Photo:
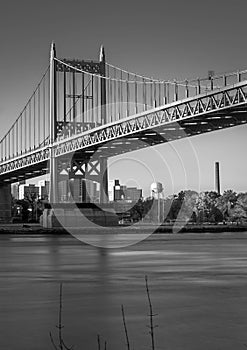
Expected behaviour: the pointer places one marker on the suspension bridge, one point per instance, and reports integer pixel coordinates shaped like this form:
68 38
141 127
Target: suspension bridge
83 112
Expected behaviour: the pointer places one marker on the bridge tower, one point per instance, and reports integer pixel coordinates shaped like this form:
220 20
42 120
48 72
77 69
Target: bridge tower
79 165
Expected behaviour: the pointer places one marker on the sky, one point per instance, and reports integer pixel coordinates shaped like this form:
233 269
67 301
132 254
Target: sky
164 39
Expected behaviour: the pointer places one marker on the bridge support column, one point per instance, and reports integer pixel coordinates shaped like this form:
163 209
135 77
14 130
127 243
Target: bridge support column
75 178
103 181
5 203
53 191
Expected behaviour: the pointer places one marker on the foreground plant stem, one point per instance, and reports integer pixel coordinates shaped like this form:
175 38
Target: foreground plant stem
151 315
61 344
125 329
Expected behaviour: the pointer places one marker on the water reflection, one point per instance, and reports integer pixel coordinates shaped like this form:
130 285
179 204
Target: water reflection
190 281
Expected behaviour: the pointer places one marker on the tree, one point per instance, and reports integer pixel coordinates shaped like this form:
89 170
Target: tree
242 201
188 206
238 212
137 211
206 207
215 215
175 206
227 202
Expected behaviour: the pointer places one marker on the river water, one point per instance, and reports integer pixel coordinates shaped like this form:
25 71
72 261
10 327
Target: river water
198 288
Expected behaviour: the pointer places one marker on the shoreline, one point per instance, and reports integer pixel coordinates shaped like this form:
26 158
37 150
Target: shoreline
204 228
163 229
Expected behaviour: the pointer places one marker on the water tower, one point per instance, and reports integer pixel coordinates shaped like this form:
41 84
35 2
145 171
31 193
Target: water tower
156 189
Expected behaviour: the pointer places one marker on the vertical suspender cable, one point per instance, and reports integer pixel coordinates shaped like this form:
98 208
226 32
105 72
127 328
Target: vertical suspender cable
30 134
34 121
119 99
69 93
73 100
5 147
159 93
64 95
224 80
239 76
186 89
17 138
127 94
198 86
92 97
114 94
11 141
9 144
44 114
121 95
211 83
39 119
136 97
175 91
110 98
165 93
87 117
155 95
25 128
21 131
96 106
83 101
57 98
144 91
108 81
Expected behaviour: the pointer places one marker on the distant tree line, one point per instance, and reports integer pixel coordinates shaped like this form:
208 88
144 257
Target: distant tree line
186 206
196 207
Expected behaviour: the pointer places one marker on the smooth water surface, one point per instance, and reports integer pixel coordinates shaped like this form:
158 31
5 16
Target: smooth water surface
198 286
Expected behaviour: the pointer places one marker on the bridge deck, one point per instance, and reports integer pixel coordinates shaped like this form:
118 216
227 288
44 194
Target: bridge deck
192 116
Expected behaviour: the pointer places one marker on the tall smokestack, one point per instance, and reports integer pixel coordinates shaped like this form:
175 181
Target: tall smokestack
217 177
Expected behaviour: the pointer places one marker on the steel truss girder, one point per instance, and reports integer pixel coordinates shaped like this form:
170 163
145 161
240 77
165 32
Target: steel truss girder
87 66
201 105
229 100
26 160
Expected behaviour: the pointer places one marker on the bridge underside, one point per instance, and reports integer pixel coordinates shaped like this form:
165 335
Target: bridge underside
154 135
24 173
171 131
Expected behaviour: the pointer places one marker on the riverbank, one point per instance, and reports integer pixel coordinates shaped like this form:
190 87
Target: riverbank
193 228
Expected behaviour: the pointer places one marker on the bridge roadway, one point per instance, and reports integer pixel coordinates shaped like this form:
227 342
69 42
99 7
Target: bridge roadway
192 116
197 285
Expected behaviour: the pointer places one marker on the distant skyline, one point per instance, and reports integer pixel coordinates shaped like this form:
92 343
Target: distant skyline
163 39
